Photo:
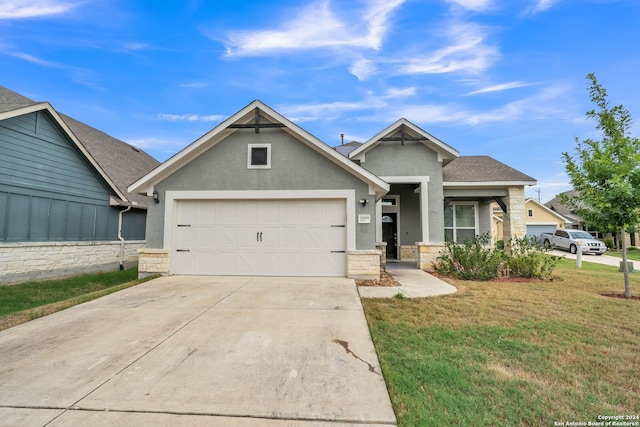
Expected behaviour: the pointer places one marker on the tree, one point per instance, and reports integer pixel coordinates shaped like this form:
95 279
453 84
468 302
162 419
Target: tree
606 173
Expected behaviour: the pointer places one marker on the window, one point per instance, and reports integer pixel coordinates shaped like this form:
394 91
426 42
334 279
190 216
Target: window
259 156
530 213
460 222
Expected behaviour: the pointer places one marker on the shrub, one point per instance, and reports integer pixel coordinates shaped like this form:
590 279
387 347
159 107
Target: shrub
469 261
527 258
608 242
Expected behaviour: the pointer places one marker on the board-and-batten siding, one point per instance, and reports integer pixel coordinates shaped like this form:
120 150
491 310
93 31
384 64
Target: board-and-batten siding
48 191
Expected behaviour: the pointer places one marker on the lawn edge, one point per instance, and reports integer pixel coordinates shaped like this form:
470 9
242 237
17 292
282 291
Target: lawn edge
24 316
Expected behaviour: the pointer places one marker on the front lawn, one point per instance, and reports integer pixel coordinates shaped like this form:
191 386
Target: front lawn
27 301
501 353
631 255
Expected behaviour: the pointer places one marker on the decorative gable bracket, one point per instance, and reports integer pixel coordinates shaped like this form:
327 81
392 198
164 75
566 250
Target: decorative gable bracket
256 124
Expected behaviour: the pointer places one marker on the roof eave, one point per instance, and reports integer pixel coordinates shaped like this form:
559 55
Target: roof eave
145 184
444 150
487 183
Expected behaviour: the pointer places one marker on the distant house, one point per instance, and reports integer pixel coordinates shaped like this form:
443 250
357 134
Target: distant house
576 222
64 204
539 219
259 195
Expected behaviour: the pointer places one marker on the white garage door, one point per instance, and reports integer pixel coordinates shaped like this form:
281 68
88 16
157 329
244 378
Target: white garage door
537 230
260 237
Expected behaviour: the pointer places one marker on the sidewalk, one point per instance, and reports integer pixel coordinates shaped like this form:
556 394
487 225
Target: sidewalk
597 259
415 283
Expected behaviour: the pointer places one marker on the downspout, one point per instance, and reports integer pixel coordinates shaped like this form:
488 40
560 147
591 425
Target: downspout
120 236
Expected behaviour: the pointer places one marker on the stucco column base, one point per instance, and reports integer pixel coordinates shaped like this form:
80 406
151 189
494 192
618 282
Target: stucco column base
382 247
427 254
153 261
363 265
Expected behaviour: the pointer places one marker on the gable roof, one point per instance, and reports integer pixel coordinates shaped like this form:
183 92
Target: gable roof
545 208
445 152
117 162
345 149
482 171
566 211
145 185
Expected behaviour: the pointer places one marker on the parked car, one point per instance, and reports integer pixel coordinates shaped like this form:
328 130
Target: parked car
572 241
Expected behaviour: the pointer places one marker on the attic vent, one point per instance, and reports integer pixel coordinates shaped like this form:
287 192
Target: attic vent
136 149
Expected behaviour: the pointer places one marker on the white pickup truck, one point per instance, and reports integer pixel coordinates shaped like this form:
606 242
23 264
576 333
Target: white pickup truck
572 240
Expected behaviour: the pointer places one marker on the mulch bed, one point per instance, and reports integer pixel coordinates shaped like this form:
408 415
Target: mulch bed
385 280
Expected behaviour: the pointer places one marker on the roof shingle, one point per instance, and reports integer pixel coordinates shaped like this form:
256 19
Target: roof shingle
481 169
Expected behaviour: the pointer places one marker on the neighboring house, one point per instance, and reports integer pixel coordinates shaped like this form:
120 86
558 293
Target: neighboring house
539 219
576 222
64 204
258 195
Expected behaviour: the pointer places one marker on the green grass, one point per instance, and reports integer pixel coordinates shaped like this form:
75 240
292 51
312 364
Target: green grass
631 255
26 301
517 354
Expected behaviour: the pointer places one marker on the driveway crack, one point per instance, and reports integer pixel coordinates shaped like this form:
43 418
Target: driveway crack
345 345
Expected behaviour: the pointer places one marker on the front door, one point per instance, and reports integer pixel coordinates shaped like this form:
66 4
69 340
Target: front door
390 234
390 228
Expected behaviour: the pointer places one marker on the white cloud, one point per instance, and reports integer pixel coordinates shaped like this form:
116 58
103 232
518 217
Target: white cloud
33 59
363 69
193 85
474 5
135 46
540 106
189 117
499 87
543 5
468 52
17 9
316 26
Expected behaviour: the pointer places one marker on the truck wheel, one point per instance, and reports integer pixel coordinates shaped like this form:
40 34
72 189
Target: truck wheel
547 244
599 254
573 249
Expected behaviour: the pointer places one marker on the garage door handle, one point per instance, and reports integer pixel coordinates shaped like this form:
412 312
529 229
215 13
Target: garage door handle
183 250
341 226
337 252
184 225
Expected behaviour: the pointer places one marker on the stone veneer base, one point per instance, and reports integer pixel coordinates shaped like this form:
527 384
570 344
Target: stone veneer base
25 261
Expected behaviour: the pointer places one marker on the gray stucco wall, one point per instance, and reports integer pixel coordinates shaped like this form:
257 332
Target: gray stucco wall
484 218
390 158
294 166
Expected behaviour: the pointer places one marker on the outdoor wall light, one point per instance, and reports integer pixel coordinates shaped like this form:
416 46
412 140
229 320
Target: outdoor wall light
155 197
363 202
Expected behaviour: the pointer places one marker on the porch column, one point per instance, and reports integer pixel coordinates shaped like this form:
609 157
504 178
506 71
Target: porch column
514 222
424 209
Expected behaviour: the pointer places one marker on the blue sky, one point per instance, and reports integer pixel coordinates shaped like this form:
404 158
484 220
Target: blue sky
505 78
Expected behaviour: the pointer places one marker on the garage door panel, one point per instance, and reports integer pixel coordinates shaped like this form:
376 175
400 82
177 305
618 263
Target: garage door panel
203 235
226 212
225 238
261 237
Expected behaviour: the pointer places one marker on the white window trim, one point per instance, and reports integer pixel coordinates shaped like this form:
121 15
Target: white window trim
250 147
530 213
476 219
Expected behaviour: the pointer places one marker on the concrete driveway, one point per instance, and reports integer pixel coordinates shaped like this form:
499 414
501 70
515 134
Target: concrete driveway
185 350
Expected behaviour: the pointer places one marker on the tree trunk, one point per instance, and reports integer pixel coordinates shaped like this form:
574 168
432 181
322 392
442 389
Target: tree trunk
625 267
